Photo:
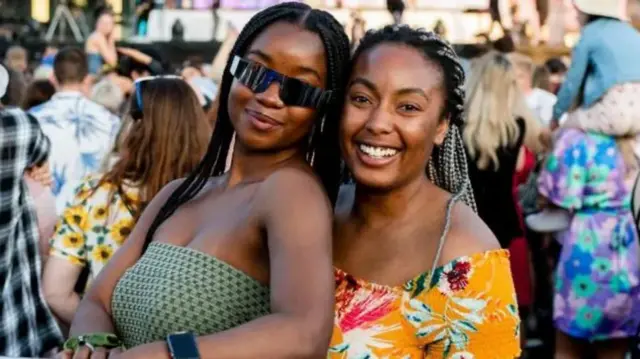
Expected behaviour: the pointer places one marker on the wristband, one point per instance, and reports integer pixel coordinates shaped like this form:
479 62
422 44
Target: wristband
92 341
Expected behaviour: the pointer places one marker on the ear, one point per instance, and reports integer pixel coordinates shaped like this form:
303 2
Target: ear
441 132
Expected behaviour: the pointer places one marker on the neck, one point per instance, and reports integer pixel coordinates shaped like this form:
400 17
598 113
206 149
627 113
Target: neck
71 88
252 166
376 206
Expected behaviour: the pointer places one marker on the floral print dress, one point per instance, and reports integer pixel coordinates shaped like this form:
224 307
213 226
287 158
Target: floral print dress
466 310
95 223
597 288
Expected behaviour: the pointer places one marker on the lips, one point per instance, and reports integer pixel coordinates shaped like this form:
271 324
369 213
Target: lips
376 155
261 121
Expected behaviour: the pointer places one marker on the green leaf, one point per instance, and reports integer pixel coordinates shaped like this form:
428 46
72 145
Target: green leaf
447 348
467 325
97 229
101 240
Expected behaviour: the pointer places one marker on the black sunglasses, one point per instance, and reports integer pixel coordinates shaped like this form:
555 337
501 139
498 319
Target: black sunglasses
293 92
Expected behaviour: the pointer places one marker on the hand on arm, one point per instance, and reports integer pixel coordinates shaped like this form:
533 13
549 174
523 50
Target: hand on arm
107 49
41 174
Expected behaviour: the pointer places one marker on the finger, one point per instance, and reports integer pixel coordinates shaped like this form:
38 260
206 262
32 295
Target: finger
99 353
82 353
67 354
115 351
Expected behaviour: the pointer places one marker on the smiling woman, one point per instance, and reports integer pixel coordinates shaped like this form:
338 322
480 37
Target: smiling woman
420 275
244 256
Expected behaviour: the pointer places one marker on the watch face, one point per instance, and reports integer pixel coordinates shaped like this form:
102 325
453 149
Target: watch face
183 346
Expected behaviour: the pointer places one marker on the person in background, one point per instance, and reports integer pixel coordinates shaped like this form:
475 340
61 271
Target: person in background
17 59
108 94
101 44
596 301
557 72
15 89
602 87
82 132
143 10
541 102
39 181
38 92
27 327
161 142
541 79
498 130
396 9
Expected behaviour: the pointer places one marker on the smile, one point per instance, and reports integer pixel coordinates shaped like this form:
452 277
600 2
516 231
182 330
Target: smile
377 152
261 121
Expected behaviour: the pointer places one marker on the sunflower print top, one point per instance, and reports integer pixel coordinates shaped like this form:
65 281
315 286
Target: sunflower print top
95 223
466 310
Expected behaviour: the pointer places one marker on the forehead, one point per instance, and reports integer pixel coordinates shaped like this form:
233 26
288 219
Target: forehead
288 45
411 68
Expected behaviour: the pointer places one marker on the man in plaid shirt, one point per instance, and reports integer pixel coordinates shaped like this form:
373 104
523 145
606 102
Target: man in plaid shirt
27 327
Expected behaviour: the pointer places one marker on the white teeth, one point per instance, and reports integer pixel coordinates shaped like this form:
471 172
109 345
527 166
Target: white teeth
378 152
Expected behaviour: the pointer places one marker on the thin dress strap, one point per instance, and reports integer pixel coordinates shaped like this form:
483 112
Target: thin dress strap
447 225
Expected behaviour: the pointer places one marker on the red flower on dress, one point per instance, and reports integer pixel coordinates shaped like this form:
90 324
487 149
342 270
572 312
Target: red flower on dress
458 276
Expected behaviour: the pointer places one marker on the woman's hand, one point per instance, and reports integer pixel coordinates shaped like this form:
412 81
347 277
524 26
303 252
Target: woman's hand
41 174
86 353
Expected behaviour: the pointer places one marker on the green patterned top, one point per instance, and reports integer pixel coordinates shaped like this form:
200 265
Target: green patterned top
173 289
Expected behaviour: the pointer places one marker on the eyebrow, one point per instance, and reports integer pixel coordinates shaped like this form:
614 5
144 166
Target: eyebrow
405 91
268 59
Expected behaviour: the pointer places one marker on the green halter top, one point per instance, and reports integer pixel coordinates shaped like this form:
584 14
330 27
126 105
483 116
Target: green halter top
173 289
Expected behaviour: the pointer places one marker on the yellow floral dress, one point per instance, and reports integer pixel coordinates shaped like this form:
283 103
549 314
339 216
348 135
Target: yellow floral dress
94 225
466 310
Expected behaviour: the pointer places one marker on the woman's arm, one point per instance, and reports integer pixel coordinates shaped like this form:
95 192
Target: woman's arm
59 281
107 49
297 219
570 89
94 311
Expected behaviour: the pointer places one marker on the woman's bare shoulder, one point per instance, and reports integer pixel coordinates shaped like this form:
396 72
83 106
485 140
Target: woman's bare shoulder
467 235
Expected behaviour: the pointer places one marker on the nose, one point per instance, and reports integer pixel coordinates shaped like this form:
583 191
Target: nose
380 122
271 96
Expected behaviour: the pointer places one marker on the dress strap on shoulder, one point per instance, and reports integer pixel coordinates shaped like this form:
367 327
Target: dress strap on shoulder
445 231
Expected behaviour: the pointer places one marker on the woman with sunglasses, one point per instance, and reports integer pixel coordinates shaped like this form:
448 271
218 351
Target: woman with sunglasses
163 139
238 264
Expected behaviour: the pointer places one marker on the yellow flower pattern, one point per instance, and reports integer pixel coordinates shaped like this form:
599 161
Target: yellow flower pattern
94 225
466 310
121 230
101 253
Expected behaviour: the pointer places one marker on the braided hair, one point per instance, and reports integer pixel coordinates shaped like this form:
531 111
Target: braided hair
447 167
322 151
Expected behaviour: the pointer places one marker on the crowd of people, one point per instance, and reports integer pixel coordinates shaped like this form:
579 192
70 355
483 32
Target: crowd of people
313 195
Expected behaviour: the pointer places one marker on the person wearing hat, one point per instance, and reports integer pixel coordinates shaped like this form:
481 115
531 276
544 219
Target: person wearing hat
602 86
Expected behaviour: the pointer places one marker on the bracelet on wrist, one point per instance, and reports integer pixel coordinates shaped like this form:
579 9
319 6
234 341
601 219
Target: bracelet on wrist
93 341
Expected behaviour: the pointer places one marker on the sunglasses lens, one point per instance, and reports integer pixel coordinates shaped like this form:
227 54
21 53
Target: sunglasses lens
258 78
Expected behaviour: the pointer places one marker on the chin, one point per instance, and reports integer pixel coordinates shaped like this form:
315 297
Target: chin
378 180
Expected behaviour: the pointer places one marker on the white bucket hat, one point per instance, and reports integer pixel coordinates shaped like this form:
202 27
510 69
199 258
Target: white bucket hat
616 9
